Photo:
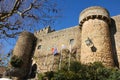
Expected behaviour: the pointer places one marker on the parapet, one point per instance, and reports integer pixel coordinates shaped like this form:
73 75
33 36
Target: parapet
92 13
43 31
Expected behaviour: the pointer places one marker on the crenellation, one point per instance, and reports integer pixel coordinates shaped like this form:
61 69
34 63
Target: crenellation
44 31
96 38
100 37
101 17
57 39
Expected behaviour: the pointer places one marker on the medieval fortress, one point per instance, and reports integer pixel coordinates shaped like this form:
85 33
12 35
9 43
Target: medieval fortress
96 38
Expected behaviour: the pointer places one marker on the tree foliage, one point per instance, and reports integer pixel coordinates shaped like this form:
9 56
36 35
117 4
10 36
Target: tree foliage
18 15
16 61
78 71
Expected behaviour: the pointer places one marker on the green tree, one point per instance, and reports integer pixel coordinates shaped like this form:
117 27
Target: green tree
92 71
78 71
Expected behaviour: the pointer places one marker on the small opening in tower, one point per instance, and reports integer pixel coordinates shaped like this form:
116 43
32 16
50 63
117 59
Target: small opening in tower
39 47
88 42
71 41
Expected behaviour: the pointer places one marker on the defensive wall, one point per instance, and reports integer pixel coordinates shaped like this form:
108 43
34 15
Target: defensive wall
95 38
56 39
95 26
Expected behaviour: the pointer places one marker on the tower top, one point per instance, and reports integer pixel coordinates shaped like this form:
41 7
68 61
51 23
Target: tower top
93 12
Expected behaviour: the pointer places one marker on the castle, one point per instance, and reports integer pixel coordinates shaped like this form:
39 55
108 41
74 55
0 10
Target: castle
96 38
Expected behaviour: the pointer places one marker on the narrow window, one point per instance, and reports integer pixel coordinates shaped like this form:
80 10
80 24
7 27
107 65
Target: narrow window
88 42
71 41
39 47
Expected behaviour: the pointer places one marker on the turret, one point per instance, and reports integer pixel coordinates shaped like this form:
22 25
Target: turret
96 42
44 31
21 60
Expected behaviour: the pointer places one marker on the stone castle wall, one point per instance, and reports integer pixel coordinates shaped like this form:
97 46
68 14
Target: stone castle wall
94 25
115 37
96 38
95 28
55 40
93 12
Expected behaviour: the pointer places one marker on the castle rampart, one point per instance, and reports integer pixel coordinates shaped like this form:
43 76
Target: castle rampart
55 40
96 38
96 42
95 23
115 37
92 13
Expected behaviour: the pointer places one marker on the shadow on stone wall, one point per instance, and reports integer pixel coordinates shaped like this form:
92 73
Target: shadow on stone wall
93 49
112 33
33 71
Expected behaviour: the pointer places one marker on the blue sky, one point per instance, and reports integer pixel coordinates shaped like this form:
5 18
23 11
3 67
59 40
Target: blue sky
70 10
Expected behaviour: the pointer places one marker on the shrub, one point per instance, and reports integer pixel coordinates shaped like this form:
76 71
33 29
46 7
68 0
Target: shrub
40 76
75 66
78 71
16 61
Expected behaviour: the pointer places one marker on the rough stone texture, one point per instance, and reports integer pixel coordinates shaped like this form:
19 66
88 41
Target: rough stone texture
24 49
115 37
98 31
95 25
55 39
95 10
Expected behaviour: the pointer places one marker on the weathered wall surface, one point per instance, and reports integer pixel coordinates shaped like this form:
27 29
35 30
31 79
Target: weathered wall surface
95 10
96 25
115 36
100 50
55 39
21 60
96 42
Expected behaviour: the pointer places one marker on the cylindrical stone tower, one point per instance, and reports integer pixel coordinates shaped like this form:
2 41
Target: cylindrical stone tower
23 52
96 43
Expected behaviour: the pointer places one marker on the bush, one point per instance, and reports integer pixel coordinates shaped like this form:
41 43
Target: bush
75 66
16 61
78 71
40 76
49 74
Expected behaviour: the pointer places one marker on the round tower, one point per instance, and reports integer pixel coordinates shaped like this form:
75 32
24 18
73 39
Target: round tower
96 43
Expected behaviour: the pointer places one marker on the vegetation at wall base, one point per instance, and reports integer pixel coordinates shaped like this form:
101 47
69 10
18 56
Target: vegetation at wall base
16 61
78 71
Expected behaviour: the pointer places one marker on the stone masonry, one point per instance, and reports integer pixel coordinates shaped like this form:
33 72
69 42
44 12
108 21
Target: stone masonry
95 27
44 55
96 38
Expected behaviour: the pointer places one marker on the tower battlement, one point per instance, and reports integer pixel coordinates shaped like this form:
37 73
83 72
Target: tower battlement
44 31
95 31
97 41
93 13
